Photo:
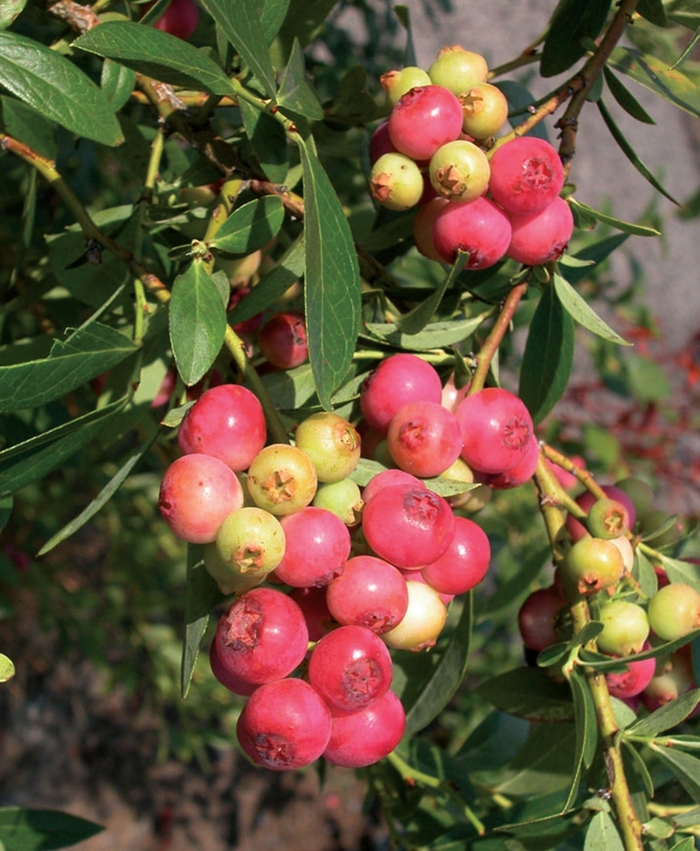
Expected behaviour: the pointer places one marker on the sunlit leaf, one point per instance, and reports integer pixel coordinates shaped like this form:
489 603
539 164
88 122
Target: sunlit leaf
625 98
295 93
652 73
250 227
27 829
584 210
602 834
582 313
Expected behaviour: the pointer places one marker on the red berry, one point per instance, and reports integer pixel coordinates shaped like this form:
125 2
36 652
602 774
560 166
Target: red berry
396 381
350 668
407 526
522 472
370 593
282 340
179 19
423 120
423 225
541 237
386 478
634 680
368 735
284 725
318 543
463 566
479 227
424 438
497 430
526 175
537 618
196 495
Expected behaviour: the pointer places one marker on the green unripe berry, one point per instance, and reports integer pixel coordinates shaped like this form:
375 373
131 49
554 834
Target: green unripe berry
607 518
592 564
396 182
459 171
484 110
343 498
331 442
458 69
397 83
674 611
626 628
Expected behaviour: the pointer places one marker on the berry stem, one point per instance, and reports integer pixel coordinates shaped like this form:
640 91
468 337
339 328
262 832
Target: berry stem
496 335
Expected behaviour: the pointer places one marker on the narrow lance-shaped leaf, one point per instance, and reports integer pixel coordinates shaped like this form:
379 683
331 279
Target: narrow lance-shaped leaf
202 596
574 21
272 17
295 93
156 54
548 356
446 677
28 829
586 733
625 98
629 152
580 209
197 322
671 84
666 717
88 352
418 318
684 766
58 89
240 22
688 50
581 311
250 227
332 280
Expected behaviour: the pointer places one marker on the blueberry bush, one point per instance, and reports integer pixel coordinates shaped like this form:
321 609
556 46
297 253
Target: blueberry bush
306 329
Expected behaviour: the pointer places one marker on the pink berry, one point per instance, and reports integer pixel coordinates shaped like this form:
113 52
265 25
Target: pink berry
396 381
262 637
407 526
537 617
232 682
380 143
350 668
423 224
196 495
424 438
317 545
386 478
285 725
526 175
368 735
541 237
479 227
370 593
634 680
312 602
463 566
522 472
424 119
179 19
227 422
282 340
496 430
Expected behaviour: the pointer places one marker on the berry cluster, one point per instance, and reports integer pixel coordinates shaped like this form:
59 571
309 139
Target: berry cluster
474 194
598 566
329 578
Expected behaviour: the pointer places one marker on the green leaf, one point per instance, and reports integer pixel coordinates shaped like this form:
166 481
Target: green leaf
250 227
681 571
529 693
602 834
629 152
646 379
56 88
434 336
543 764
6 506
26 124
687 844
117 83
636 768
156 54
643 571
88 352
418 318
666 717
573 22
446 677
272 17
586 733
654 74
273 285
520 100
684 12
240 22
197 322
604 663
688 50
625 98
295 94
653 11
9 11
202 595
597 252
32 459
548 357
102 498
683 765
25 829
268 139
7 668
583 210
582 313
332 280
304 21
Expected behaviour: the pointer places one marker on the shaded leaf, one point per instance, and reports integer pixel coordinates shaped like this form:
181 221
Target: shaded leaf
403 14
6 505
666 717
197 322
604 663
583 210
56 88
241 24
446 677
573 22
117 83
25 829
529 693
519 102
597 252
685 767
543 764
586 733
625 98
684 12
681 571
272 17
332 279
653 11
250 227
688 50
652 73
433 336
88 352
304 21
548 357
269 141
602 834
32 459
629 152
418 318
202 595
101 499
26 124
156 54
582 313
636 768
295 93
